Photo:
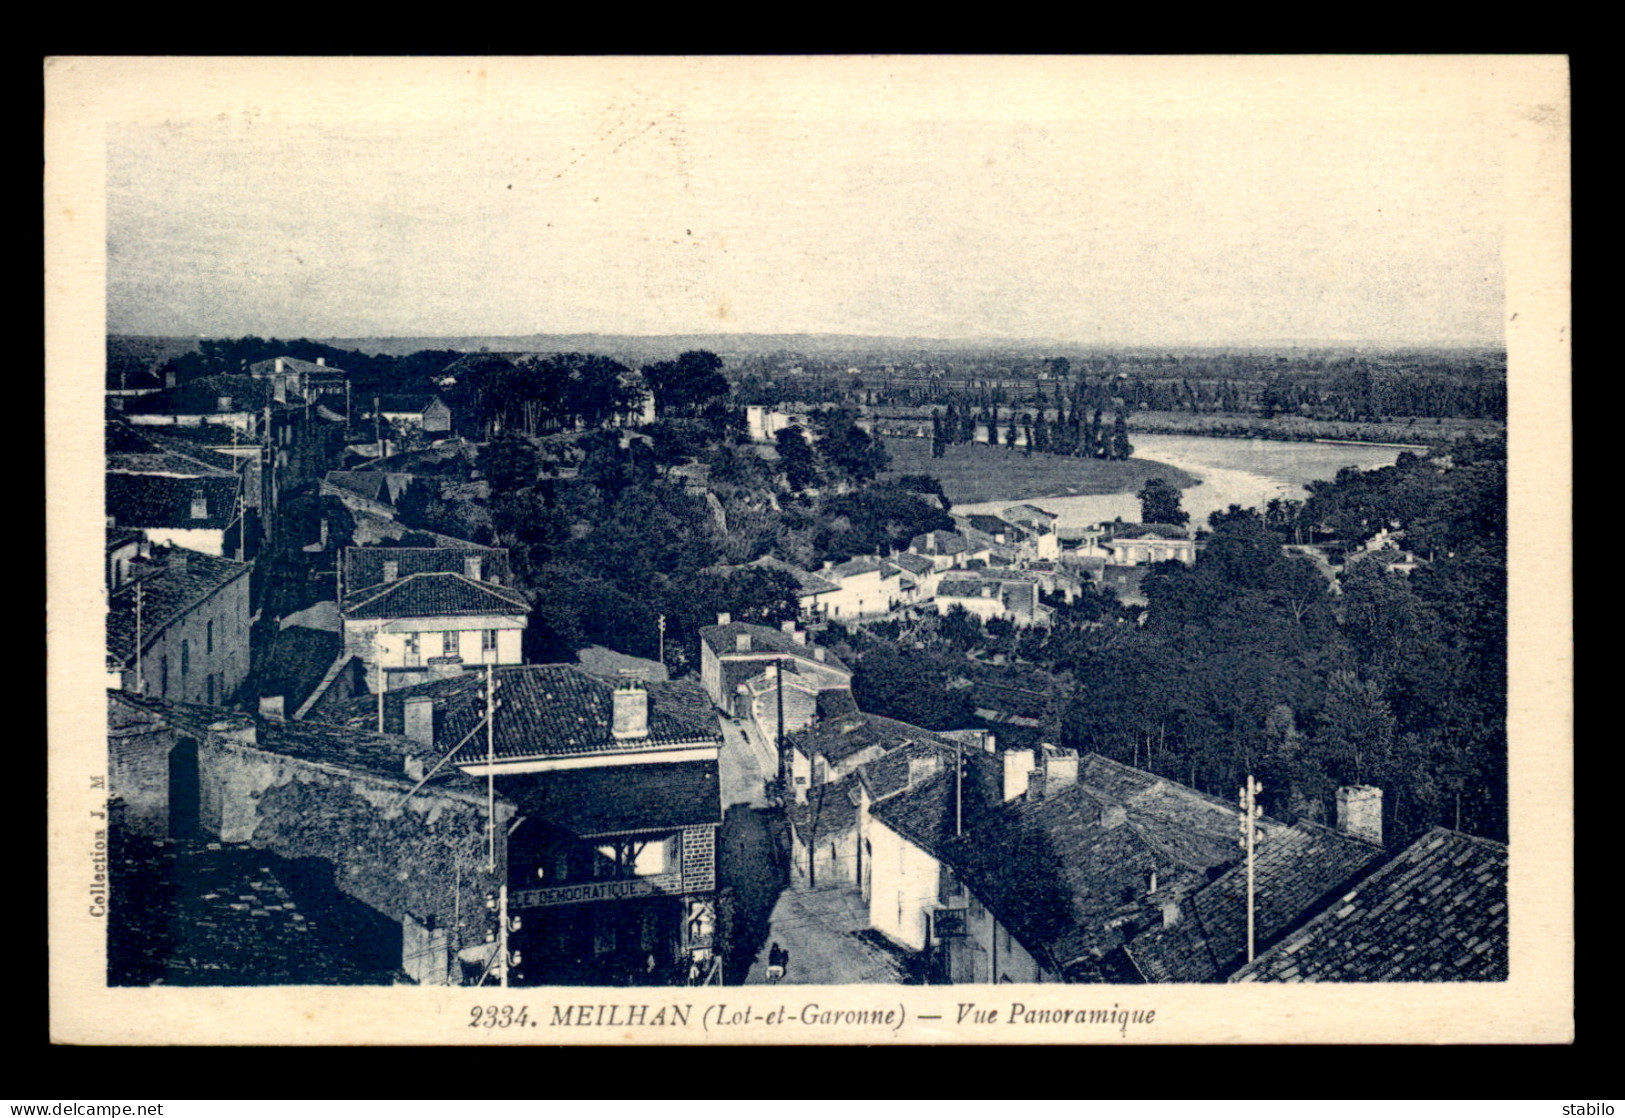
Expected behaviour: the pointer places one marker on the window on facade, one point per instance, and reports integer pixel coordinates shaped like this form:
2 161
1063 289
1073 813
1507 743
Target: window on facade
488 640
208 635
211 691
450 643
186 657
411 644
163 676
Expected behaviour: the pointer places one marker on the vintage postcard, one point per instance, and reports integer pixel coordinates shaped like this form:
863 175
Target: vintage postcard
809 550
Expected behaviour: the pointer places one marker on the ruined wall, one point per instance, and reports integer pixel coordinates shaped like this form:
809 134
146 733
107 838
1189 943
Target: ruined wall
421 862
138 775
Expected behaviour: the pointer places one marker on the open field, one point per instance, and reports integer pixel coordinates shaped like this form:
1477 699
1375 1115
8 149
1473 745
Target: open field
975 473
1297 428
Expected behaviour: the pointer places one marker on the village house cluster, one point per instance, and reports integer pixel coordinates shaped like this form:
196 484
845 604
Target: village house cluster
563 823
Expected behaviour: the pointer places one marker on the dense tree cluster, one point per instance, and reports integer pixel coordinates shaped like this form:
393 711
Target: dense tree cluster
1247 662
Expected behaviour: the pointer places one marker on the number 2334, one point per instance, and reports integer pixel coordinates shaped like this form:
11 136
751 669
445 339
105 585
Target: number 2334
498 1016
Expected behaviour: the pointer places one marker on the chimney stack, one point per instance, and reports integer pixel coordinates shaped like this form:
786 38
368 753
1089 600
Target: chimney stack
272 706
1359 812
418 719
1018 765
819 654
990 744
922 769
724 618
1113 815
471 567
1170 913
631 711
280 365
392 570
742 642
1060 768
1037 785
788 627
322 361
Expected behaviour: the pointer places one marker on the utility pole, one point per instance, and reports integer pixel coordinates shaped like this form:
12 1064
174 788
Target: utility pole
662 624
380 655
1250 812
959 789
778 677
491 779
502 932
140 681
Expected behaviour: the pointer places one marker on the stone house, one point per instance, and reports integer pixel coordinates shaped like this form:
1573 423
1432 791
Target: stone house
612 855
410 614
177 622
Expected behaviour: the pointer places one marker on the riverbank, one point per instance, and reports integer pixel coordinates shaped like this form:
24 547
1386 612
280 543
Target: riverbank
1408 432
971 474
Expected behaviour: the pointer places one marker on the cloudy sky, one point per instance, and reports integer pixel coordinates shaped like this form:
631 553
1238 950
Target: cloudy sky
1184 204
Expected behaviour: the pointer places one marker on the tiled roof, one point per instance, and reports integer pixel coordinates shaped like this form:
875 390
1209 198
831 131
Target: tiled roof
840 737
959 588
294 663
291 365
723 640
138 452
364 566
413 405
1019 596
624 798
1032 512
809 582
382 486
1437 912
946 543
888 774
1061 873
913 564
168 591
324 743
202 397
606 663
836 702
118 537
1296 871
546 710
860 565
829 810
432 595
994 526
156 501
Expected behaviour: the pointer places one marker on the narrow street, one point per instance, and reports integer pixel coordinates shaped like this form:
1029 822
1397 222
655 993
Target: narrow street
819 928
742 768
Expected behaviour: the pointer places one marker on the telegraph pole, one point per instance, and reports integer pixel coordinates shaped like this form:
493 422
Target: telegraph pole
778 678
380 655
1250 812
491 782
662 624
140 681
959 789
502 931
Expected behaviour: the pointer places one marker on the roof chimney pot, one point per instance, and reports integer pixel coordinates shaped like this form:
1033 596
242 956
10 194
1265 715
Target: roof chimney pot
1359 812
631 711
417 716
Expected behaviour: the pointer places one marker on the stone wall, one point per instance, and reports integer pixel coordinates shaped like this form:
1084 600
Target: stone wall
419 862
138 770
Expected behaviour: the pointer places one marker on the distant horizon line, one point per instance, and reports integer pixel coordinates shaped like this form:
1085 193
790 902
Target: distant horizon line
983 340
